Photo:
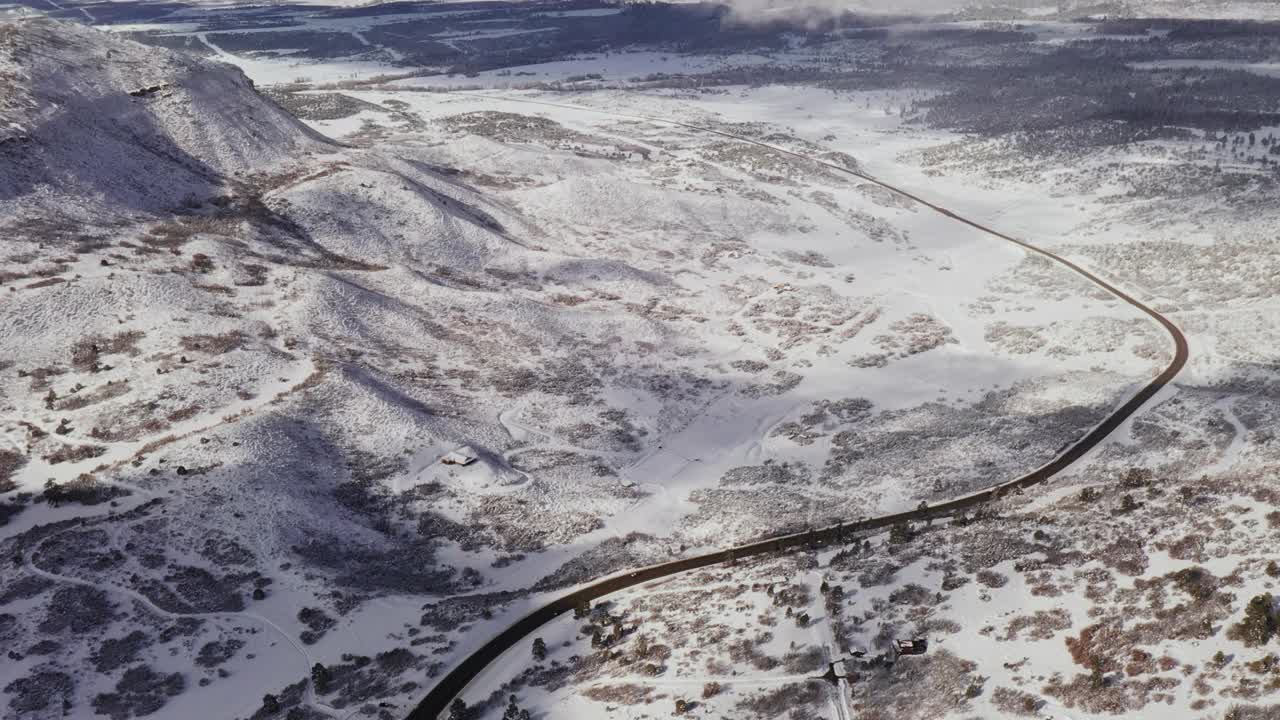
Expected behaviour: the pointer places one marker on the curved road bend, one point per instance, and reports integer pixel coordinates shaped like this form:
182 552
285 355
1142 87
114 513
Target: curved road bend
437 701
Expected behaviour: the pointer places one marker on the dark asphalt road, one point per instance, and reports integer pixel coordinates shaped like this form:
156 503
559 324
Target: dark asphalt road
437 701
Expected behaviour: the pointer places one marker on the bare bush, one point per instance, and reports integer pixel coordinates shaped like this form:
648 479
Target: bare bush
74 453
86 353
1015 702
803 661
1044 624
141 691
118 652
77 608
991 578
39 691
915 334
202 263
11 462
82 400
214 344
917 688
624 694
745 651
778 702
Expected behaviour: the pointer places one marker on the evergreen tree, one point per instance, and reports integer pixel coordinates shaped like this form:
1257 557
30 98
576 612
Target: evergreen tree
1096 677
320 678
1128 504
1259 623
900 533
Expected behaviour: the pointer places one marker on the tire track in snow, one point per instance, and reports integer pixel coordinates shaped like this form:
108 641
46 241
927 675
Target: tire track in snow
138 598
142 495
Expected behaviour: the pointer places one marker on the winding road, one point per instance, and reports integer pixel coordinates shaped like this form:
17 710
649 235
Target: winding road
441 696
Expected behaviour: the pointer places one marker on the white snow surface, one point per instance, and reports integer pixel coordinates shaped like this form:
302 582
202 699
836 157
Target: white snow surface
426 270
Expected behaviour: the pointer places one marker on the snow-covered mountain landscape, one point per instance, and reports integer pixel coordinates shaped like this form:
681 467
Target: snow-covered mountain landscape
454 359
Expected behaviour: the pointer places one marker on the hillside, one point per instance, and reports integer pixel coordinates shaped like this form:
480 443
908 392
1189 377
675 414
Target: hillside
95 127
182 376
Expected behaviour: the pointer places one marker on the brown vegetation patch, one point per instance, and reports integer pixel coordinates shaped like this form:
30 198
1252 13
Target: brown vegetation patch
506 518
626 694
83 400
1015 702
745 651
84 489
74 453
1043 625
1140 662
1190 547
1116 697
130 422
215 289
183 414
175 233
11 461
40 376
991 578
85 353
214 344
1125 556
252 275
916 688
7 276
809 659
44 283
780 701
202 263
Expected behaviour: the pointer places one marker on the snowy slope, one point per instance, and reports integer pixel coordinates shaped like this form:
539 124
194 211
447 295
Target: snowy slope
163 291
95 124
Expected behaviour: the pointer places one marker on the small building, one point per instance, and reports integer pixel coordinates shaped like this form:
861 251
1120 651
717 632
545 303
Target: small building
464 455
915 646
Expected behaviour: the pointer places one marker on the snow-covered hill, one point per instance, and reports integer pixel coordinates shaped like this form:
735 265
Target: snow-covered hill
94 126
181 269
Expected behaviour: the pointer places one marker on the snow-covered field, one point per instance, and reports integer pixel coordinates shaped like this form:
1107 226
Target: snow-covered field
237 352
